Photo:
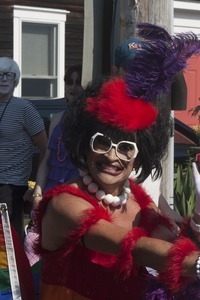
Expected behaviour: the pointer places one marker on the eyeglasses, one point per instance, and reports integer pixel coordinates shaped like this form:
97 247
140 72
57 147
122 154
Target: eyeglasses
125 150
9 75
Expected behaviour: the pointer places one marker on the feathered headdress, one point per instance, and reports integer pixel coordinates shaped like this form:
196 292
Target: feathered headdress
128 103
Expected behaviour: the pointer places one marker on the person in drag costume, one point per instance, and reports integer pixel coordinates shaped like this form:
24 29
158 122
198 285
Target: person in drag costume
100 232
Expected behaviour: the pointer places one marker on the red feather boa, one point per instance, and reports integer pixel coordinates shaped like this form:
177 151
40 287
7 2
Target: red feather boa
125 260
171 276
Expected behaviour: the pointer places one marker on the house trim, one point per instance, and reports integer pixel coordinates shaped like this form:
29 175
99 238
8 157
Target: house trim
46 16
186 16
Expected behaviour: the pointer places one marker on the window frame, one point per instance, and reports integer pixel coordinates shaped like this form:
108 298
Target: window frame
40 15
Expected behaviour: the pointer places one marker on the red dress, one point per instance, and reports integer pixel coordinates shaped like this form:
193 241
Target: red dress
75 272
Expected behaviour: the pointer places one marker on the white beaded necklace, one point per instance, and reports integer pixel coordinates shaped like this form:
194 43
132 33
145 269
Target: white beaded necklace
108 199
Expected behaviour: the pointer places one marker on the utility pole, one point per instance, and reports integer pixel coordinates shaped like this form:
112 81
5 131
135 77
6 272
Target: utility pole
159 12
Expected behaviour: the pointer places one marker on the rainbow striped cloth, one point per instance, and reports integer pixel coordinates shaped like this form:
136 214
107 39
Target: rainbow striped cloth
25 283
5 285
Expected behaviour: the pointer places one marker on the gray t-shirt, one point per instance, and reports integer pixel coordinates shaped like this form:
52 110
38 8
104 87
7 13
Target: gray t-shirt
20 121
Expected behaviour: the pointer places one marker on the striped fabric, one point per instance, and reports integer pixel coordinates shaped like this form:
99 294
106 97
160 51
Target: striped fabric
24 270
5 287
20 122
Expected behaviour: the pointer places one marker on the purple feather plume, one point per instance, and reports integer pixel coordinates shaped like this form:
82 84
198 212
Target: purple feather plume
153 69
157 291
151 31
191 291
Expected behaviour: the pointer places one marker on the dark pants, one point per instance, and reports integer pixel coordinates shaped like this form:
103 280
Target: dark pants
12 195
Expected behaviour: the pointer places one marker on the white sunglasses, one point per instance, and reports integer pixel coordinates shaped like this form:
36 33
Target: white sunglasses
124 150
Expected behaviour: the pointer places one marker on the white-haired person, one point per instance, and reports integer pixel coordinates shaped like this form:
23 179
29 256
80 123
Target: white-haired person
21 127
99 232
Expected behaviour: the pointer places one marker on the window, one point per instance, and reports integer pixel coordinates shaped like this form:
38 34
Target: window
39 47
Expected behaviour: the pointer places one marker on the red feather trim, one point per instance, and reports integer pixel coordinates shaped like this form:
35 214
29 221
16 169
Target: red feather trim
90 217
171 275
140 195
150 219
115 106
125 260
40 211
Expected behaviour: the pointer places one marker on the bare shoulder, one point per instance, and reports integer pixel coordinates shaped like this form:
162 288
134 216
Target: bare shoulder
64 210
68 205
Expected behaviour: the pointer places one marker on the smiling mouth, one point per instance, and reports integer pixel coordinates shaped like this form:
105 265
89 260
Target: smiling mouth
109 169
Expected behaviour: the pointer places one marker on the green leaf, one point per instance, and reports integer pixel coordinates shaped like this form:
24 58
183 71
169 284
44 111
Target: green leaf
184 191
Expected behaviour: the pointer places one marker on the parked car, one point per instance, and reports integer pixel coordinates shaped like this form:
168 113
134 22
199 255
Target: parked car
185 138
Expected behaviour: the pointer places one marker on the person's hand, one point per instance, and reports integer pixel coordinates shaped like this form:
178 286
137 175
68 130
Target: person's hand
196 177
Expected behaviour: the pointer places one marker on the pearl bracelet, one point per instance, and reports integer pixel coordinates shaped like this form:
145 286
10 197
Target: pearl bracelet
198 267
194 226
37 195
